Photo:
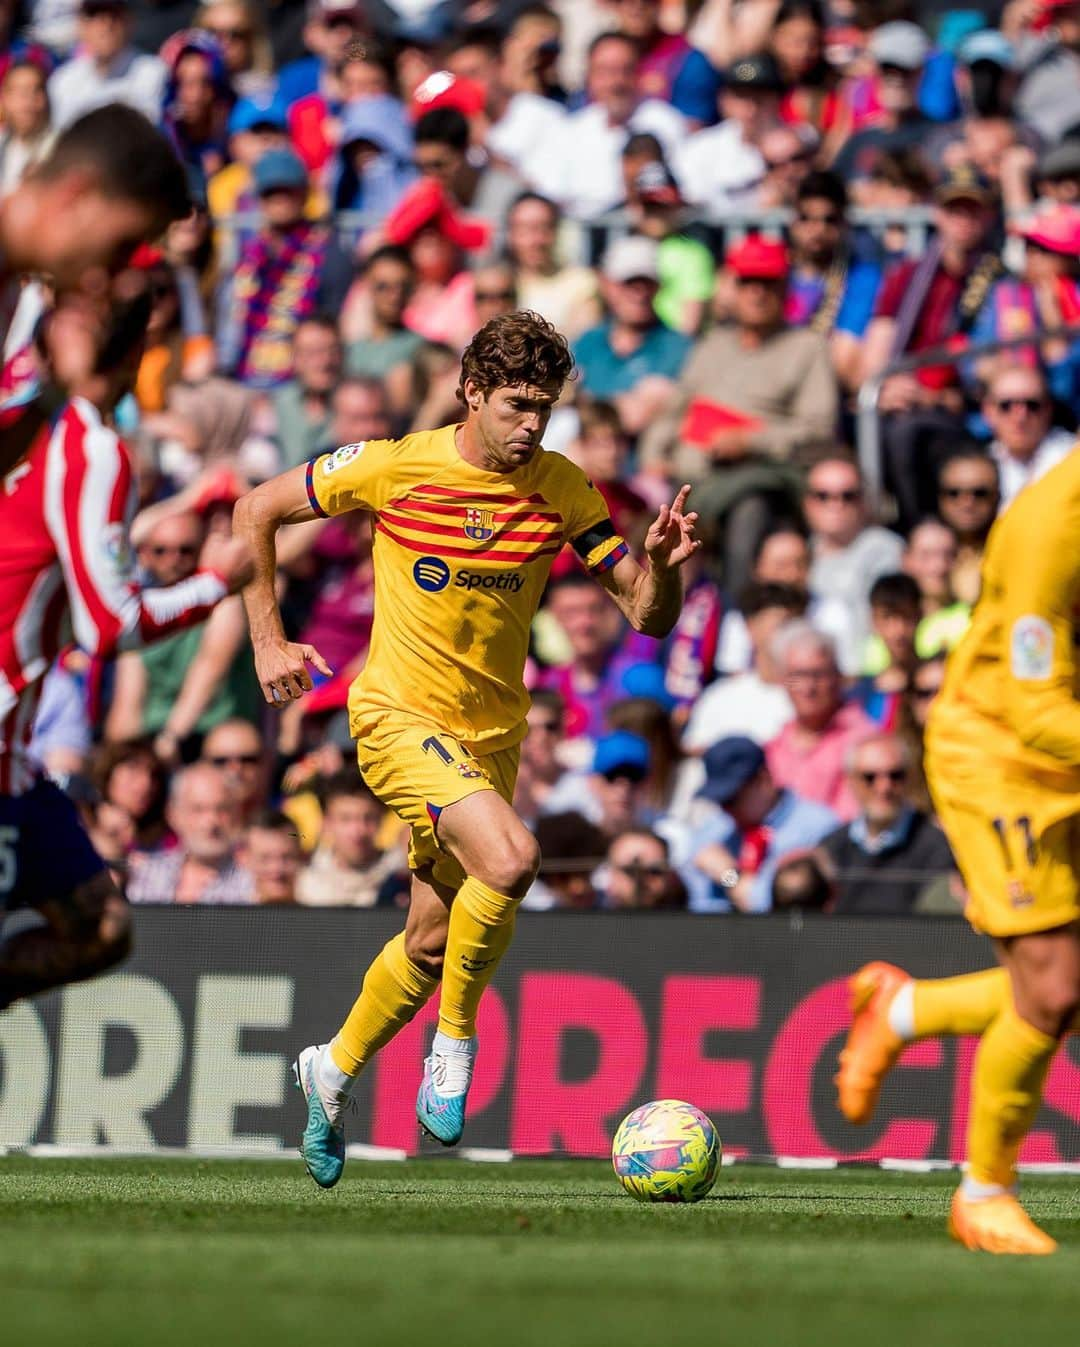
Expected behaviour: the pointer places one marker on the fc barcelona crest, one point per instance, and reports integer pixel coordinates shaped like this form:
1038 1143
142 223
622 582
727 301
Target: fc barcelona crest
479 525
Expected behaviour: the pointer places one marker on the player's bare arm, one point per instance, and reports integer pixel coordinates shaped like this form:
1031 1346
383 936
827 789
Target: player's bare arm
281 665
651 597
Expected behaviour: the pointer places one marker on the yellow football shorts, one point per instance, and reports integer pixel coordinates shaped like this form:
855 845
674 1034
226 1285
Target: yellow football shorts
417 773
1017 843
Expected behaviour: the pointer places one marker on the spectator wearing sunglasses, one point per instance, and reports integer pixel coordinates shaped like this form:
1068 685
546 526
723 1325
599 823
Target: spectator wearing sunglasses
235 749
1018 410
829 290
882 861
968 498
193 680
638 876
848 553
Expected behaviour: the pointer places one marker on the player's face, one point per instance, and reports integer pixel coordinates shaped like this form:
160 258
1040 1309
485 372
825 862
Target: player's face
93 237
511 422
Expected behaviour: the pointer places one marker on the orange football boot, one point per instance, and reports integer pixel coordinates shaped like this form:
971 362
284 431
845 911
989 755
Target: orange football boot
996 1225
872 1047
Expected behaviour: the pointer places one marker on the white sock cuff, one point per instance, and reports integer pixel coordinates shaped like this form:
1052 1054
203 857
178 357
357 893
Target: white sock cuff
444 1044
330 1074
902 1012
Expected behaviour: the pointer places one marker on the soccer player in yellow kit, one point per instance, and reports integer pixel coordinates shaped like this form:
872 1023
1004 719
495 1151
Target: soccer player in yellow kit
1003 764
467 521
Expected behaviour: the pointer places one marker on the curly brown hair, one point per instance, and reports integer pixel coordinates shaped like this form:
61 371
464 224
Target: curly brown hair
513 349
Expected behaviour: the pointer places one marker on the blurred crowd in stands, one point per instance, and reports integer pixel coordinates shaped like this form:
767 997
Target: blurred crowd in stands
741 213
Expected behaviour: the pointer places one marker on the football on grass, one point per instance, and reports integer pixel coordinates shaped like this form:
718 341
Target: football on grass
666 1151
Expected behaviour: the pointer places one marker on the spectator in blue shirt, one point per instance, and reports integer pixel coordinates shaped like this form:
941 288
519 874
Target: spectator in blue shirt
632 358
735 855
830 290
331 25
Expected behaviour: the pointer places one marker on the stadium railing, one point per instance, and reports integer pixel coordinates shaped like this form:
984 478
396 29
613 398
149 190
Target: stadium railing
585 239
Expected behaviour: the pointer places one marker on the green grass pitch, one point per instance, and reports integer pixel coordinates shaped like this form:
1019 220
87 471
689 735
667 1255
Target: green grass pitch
154 1253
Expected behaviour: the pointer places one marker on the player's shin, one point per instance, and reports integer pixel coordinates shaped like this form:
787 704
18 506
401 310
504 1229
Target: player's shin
1010 1070
394 990
481 928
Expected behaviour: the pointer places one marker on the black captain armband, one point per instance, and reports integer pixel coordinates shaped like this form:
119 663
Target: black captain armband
600 547
592 538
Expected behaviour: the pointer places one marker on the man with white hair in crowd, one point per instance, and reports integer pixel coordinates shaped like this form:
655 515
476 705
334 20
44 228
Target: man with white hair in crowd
203 868
808 754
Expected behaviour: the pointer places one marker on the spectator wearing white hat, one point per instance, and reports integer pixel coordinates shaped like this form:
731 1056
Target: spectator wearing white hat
899 51
632 358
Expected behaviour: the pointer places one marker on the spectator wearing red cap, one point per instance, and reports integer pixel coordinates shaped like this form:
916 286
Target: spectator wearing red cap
579 167
441 154
436 236
756 400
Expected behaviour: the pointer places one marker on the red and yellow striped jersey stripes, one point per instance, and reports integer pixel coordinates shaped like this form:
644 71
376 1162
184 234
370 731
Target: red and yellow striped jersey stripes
461 559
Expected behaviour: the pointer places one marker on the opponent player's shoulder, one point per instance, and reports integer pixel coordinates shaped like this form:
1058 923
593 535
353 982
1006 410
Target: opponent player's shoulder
85 439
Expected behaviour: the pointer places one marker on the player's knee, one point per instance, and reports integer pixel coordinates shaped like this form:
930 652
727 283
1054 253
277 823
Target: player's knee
1058 999
512 867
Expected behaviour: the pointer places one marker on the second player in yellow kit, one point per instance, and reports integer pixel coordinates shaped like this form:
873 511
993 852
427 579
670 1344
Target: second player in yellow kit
1003 764
467 521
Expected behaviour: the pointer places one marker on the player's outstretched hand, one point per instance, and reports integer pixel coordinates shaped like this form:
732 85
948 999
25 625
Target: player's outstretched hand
670 539
282 670
230 558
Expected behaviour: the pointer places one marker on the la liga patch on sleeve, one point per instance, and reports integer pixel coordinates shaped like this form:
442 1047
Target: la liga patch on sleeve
344 455
1031 648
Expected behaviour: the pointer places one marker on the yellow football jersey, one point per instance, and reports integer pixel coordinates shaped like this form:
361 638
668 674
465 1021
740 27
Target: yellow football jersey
461 558
1011 686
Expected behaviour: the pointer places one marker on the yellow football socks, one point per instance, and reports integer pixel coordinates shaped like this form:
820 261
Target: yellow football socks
963 1005
960 1005
481 927
394 990
1007 1083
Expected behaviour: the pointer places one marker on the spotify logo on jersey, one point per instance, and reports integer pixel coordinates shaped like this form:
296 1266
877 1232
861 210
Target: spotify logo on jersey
432 574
